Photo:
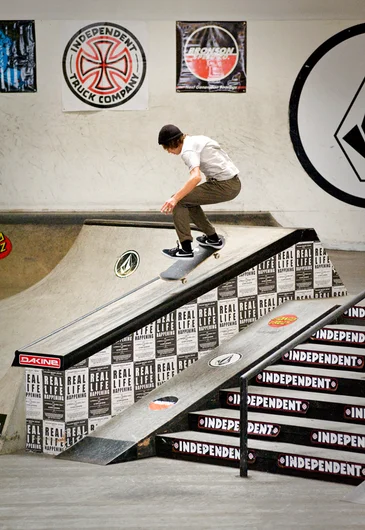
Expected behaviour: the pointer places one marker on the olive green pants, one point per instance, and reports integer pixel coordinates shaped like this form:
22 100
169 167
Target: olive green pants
189 210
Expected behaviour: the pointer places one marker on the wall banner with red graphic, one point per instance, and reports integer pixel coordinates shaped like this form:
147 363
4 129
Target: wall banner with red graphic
104 66
211 56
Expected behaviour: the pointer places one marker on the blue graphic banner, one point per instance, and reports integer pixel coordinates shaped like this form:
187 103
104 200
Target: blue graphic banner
17 56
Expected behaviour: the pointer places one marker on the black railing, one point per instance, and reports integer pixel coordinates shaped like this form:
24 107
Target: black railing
275 356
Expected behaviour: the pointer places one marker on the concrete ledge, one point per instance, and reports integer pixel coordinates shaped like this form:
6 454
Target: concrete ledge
79 217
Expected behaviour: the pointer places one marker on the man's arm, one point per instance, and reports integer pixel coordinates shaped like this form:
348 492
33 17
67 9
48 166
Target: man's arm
190 184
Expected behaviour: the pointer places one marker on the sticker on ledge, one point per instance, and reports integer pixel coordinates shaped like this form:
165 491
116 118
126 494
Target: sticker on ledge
163 403
225 360
5 246
283 320
127 264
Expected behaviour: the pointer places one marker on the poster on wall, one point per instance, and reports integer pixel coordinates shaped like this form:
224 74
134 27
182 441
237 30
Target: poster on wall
104 66
211 57
17 56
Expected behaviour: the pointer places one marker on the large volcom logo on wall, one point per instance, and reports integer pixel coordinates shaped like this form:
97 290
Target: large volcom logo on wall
104 65
327 116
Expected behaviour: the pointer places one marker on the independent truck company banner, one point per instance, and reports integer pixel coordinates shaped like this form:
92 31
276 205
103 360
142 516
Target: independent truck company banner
104 66
211 56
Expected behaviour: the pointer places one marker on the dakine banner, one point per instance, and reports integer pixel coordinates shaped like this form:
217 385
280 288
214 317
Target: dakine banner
104 66
211 57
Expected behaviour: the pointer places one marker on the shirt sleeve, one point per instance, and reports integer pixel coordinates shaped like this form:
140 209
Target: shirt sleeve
191 159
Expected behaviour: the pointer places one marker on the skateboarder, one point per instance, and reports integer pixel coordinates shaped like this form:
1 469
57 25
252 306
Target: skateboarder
200 154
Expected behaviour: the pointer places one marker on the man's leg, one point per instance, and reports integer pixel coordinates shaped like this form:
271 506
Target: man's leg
189 208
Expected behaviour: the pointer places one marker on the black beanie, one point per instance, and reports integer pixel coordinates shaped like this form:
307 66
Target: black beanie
167 133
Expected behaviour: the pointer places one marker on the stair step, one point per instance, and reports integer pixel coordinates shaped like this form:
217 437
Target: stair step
284 458
312 379
345 334
287 429
329 356
298 403
356 312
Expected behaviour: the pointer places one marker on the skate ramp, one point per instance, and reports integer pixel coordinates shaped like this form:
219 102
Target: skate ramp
131 434
82 307
81 282
245 247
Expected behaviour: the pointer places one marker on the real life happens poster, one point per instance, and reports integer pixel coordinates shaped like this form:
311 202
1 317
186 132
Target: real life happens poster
17 56
211 57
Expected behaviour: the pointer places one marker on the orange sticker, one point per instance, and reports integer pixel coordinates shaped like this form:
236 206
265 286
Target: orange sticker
163 403
283 320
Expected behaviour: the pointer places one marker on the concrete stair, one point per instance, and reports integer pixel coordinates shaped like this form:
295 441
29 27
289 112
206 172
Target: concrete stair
306 414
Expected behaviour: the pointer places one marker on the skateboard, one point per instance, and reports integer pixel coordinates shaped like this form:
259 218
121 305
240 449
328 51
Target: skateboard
181 268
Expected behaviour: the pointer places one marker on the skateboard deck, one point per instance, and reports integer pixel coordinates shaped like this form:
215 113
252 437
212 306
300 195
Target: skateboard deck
181 268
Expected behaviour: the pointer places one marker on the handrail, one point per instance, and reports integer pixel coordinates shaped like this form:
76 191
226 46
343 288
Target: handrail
308 332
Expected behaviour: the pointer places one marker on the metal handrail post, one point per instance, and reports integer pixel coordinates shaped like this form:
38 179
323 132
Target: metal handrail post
243 426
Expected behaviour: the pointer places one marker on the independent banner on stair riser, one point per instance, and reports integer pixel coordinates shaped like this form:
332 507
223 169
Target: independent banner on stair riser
325 359
348 337
284 432
62 407
346 412
356 312
261 460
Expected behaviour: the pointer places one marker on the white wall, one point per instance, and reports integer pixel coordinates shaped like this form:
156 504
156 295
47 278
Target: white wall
51 160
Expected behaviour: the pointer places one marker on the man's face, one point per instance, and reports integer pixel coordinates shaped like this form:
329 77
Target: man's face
174 150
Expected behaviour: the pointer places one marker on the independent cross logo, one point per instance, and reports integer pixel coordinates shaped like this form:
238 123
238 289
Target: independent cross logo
127 264
104 65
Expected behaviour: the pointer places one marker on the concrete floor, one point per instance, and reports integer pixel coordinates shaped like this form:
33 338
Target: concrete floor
44 493
39 492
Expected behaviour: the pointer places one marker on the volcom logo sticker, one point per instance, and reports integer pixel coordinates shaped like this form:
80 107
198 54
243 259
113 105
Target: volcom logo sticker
127 264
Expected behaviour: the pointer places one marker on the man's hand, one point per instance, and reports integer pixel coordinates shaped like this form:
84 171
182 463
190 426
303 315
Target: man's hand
169 205
195 178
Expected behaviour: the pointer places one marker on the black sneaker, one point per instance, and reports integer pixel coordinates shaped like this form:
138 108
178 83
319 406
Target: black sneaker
204 241
177 253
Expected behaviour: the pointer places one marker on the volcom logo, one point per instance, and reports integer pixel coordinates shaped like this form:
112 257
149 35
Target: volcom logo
327 121
351 134
127 264
225 360
104 65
